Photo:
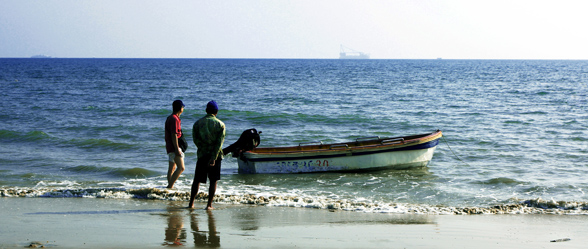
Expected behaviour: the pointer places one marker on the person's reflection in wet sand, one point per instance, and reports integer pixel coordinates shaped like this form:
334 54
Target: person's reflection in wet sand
201 238
175 234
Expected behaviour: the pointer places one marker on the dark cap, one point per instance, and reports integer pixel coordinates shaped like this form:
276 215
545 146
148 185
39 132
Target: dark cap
211 107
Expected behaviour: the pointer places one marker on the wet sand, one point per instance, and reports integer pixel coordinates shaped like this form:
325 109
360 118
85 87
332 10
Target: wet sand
133 223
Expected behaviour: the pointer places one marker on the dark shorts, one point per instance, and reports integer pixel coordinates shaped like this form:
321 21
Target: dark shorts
204 171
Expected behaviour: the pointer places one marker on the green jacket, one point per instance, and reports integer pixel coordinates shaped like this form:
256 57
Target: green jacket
209 134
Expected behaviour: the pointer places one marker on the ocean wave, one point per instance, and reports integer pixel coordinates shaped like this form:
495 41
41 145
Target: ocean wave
41 136
285 118
29 136
102 143
501 180
124 172
532 206
579 139
534 113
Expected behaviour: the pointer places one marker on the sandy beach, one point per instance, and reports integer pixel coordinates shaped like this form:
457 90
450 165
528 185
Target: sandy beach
135 223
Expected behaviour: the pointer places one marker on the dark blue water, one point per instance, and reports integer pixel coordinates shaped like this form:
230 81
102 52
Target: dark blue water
514 131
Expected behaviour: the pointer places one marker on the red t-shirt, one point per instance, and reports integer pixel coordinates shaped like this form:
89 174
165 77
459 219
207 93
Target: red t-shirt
173 124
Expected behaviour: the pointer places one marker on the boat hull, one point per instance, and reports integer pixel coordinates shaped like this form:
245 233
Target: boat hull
388 160
398 156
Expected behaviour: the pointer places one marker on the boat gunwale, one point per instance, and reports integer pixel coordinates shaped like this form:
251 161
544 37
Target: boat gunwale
327 149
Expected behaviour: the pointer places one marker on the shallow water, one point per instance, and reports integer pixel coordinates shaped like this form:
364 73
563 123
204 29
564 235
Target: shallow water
514 131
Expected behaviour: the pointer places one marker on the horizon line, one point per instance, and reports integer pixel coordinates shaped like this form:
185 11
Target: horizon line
260 58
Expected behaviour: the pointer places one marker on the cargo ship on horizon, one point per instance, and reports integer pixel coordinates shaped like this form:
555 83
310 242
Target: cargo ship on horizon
348 53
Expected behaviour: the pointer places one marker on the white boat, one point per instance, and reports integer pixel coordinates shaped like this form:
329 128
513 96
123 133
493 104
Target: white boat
363 154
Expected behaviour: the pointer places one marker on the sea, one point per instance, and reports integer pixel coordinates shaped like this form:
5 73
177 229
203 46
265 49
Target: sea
515 132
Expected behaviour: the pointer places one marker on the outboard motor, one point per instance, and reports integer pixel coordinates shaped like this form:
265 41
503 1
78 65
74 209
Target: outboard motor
248 140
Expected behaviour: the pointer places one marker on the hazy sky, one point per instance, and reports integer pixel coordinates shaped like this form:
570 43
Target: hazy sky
403 29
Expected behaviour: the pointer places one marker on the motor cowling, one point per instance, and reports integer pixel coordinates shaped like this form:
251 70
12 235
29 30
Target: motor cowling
248 140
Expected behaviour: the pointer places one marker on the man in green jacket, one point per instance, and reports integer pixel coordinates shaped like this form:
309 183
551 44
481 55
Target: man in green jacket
209 135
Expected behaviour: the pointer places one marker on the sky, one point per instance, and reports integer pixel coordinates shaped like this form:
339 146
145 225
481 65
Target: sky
305 29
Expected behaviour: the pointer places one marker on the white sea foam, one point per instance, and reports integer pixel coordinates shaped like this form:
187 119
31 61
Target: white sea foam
271 197
65 183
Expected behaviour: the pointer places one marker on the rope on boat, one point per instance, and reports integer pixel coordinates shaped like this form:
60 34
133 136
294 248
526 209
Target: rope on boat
443 137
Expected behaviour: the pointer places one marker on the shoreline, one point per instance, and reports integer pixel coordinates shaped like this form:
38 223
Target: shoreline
531 206
138 223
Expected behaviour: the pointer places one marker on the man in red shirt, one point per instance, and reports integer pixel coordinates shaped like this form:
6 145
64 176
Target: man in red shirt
173 131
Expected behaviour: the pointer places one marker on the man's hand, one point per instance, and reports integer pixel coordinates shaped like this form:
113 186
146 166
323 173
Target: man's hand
211 162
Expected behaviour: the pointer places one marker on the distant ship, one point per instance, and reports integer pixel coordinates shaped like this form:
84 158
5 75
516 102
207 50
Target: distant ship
347 53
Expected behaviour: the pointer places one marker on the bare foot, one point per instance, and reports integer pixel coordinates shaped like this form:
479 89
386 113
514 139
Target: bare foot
169 187
209 208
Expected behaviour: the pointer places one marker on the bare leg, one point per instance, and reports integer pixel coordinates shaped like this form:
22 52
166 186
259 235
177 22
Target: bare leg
179 161
193 192
211 191
170 171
